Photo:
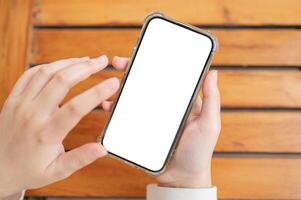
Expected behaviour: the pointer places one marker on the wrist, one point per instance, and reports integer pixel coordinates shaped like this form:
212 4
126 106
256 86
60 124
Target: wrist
5 190
4 193
193 180
18 195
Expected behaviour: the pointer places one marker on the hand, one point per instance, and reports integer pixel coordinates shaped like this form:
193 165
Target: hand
33 126
191 165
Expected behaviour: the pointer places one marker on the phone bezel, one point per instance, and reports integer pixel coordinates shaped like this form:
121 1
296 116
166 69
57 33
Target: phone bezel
192 99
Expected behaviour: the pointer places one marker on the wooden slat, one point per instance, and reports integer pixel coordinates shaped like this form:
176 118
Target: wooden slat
267 132
236 47
260 89
253 131
236 178
132 12
15 17
239 89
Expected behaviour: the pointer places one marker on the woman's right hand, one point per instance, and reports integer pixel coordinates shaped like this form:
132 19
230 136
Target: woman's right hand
33 126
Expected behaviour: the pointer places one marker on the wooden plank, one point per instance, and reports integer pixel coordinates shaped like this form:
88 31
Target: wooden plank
260 131
132 12
260 89
268 132
236 47
270 178
15 17
239 88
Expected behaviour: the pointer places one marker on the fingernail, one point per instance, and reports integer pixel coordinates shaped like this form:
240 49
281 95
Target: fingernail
120 57
100 60
86 58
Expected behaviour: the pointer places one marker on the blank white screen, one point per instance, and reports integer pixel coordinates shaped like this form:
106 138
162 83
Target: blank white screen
156 94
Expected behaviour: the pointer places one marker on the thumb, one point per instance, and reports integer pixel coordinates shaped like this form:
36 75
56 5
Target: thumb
71 161
211 100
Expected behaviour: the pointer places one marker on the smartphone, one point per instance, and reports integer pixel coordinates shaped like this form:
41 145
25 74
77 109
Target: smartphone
162 81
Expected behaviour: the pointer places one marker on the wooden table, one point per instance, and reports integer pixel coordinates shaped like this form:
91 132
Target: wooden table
258 155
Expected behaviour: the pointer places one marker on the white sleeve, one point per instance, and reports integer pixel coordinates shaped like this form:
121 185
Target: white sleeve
17 196
155 192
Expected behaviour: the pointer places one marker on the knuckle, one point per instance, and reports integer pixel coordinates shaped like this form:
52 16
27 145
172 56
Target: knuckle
74 110
61 79
98 92
42 138
81 162
60 174
18 110
24 117
103 91
45 71
27 72
68 170
28 119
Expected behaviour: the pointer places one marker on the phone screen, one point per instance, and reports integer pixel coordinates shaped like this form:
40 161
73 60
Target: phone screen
158 89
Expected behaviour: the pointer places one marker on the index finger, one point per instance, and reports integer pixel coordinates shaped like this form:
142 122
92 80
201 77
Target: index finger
57 88
71 112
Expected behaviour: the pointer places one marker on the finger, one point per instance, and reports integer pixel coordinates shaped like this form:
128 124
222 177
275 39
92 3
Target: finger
57 88
196 109
71 112
23 80
71 161
211 99
45 73
120 63
107 106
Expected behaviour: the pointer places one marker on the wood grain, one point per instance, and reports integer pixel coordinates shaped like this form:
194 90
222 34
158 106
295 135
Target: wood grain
15 17
260 89
276 48
260 131
264 131
239 89
258 152
132 12
269 178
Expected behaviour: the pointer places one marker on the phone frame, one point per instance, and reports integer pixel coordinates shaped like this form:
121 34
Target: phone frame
192 99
